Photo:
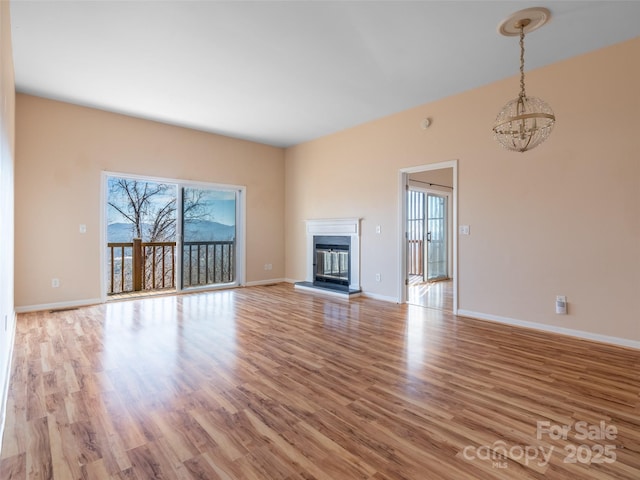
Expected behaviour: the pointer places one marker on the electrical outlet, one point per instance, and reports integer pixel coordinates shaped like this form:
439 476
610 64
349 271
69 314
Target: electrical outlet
561 305
377 277
55 283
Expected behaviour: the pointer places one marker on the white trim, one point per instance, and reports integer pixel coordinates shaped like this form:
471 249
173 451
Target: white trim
59 305
179 253
241 235
271 281
333 226
621 342
383 298
102 248
403 176
7 381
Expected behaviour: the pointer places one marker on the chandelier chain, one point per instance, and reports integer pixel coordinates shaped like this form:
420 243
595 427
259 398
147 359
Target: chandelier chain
522 94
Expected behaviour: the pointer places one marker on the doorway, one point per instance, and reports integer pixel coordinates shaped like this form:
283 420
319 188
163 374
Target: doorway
165 236
428 253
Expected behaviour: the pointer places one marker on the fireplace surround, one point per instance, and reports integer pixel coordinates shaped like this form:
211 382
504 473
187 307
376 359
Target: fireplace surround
333 255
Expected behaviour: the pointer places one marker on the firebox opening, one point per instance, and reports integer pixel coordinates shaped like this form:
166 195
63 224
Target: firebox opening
332 261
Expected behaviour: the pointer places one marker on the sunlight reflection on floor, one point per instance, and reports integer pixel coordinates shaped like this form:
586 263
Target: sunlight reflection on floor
438 295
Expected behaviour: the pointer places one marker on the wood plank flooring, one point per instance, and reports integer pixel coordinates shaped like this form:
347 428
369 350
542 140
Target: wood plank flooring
438 295
272 383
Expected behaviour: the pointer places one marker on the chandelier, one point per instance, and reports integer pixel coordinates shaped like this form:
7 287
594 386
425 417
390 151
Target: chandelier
524 122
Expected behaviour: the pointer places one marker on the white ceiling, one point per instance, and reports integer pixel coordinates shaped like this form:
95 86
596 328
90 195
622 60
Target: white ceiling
285 72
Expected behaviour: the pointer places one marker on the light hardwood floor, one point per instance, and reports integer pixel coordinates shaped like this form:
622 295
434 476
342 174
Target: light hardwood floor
272 383
438 295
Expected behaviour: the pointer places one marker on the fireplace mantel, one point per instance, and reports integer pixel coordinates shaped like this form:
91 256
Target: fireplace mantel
336 227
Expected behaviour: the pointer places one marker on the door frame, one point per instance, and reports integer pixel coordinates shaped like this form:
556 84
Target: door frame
403 177
241 229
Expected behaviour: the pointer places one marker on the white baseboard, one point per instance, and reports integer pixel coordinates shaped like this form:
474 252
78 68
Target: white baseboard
264 282
58 305
4 398
621 342
376 296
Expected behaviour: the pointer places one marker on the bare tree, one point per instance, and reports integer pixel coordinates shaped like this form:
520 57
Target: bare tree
149 207
193 205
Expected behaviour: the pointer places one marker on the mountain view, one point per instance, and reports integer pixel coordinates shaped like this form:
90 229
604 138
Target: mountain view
194 230
207 231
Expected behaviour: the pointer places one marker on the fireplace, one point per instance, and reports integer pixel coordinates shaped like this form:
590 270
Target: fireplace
332 261
333 256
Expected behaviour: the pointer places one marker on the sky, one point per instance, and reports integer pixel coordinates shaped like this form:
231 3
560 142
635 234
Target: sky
223 206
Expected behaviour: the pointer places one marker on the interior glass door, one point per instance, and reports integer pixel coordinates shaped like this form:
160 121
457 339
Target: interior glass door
436 238
208 237
415 235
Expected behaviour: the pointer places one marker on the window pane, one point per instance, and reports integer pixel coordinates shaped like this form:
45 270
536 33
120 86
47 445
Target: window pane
209 236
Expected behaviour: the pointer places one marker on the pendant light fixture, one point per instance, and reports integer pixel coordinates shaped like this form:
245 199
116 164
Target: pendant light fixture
524 122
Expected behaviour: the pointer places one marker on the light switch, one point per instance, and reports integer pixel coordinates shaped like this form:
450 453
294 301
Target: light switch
83 228
464 230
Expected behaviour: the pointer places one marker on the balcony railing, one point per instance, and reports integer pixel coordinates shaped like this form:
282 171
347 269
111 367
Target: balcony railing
208 263
151 266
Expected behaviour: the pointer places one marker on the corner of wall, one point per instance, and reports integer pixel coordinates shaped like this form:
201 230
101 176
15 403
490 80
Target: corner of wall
7 149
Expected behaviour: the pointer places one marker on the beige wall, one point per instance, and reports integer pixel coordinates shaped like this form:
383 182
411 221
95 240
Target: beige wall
7 124
442 177
61 150
561 219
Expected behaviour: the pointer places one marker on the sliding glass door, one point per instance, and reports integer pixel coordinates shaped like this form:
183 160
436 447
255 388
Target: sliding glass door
167 235
208 236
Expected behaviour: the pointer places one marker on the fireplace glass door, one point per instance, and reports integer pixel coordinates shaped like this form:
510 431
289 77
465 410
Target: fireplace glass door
332 264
